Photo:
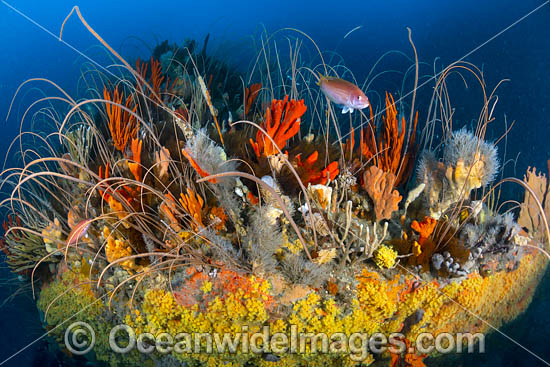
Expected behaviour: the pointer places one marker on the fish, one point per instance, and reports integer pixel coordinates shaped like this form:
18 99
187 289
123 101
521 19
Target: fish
78 232
271 357
343 93
412 320
291 79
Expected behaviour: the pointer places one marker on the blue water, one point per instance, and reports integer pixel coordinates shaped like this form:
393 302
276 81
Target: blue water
447 30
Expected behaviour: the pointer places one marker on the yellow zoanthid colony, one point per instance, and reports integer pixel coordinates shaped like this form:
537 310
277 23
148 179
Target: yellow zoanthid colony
182 199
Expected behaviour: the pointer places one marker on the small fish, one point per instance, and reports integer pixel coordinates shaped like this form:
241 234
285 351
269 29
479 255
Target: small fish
271 357
290 77
78 232
343 93
412 320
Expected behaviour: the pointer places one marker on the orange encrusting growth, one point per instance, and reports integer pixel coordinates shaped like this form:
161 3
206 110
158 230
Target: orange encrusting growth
282 122
312 158
225 284
252 198
424 228
329 173
218 215
367 141
125 196
123 125
409 358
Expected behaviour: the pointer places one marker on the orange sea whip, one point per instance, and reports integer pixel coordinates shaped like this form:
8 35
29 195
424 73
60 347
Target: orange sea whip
122 125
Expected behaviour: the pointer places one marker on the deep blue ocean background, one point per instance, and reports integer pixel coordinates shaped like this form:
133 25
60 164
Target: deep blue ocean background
447 30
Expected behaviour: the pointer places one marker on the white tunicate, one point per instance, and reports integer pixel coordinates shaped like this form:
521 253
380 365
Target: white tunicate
303 209
437 260
269 181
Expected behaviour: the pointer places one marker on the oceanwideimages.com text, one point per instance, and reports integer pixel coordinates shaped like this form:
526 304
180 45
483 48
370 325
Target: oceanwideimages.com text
80 339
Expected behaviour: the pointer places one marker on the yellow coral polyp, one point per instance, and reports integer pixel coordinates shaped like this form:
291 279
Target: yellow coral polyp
116 249
206 287
118 209
294 247
52 236
381 305
417 249
385 257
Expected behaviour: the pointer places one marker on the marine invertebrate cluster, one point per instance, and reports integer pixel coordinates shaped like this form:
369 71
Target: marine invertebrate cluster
183 226
468 163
